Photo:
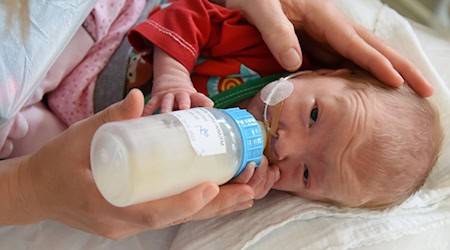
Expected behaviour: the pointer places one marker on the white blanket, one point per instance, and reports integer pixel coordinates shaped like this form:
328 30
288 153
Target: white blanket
317 226
24 62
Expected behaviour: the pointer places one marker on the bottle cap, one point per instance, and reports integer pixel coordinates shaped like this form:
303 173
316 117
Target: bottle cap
251 134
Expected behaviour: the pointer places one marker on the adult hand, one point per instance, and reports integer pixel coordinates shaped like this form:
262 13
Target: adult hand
277 21
56 183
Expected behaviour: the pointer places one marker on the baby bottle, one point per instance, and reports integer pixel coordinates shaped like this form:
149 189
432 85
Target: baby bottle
151 157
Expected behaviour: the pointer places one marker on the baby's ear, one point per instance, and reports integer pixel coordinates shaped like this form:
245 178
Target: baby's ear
332 72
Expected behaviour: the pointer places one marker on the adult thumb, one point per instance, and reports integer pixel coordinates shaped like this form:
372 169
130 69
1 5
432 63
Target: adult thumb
131 107
276 30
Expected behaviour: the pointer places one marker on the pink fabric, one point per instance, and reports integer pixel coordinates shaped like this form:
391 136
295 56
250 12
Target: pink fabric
19 127
108 23
82 59
71 56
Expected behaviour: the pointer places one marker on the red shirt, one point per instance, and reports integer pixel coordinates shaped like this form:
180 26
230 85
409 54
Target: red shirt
217 45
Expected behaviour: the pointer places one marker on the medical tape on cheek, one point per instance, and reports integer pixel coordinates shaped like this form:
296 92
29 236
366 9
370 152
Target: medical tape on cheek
274 94
276 91
272 127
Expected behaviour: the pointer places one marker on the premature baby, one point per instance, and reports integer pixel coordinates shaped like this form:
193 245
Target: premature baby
345 138
340 136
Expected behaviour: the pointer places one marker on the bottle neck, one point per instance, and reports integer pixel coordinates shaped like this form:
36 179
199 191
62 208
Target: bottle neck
262 126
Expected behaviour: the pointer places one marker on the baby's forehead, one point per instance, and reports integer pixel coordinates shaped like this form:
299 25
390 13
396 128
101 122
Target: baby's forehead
347 81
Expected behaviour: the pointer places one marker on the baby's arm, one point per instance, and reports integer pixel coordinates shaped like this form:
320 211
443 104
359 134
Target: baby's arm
172 86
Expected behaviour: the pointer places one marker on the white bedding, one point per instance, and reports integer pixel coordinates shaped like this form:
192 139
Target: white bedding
52 24
281 221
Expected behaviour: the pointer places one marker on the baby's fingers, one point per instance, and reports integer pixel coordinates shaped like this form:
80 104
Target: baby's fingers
200 100
151 106
183 100
245 176
264 178
167 103
263 185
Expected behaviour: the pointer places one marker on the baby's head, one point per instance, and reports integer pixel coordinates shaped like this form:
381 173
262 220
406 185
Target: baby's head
347 139
404 145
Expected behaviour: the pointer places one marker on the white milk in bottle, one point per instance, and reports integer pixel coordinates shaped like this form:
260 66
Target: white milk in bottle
151 157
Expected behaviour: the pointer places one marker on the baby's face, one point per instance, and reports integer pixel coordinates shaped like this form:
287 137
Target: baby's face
322 123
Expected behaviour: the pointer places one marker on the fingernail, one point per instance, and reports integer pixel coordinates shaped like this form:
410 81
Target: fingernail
251 165
209 193
244 205
291 59
400 80
277 174
184 106
245 197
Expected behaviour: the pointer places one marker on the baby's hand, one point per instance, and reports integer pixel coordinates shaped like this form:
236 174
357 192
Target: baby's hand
182 97
261 179
172 86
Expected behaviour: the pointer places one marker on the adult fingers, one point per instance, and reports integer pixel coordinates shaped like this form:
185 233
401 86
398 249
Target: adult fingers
264 178
410 73
237 207
232 197
342 36
365 49
245 176
276 30
319 51
171 210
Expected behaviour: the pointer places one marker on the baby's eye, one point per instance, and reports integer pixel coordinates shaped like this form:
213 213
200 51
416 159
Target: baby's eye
305 175
313 115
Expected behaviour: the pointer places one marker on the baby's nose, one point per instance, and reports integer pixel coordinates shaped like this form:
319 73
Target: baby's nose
288 146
